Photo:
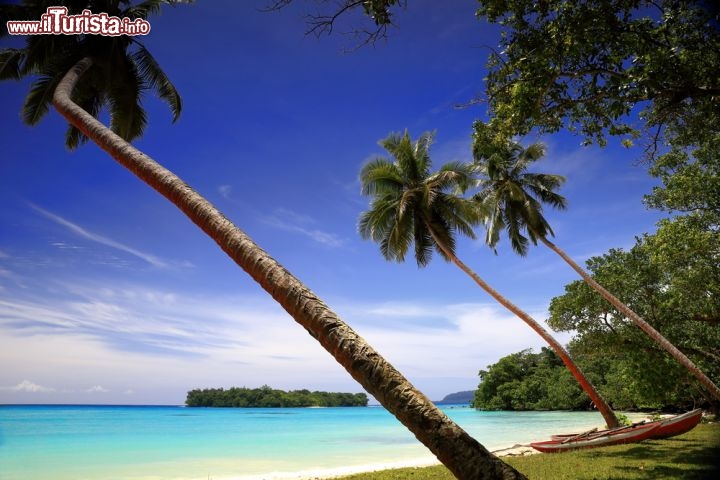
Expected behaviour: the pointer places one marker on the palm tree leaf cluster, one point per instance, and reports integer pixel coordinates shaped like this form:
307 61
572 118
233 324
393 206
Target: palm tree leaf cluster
513 196
122 71
411 205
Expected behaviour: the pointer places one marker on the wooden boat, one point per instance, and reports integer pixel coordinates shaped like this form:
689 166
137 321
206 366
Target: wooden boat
592 439
668 427
678 424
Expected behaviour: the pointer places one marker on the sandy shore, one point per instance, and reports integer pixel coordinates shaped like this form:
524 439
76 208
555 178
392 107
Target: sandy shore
324 474
516 450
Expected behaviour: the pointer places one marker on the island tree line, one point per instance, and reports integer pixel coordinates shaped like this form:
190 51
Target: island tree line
267 397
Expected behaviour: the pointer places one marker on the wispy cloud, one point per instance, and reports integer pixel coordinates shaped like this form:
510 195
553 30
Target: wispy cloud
86 234
142 334
28 386
97 389
290 221
225 191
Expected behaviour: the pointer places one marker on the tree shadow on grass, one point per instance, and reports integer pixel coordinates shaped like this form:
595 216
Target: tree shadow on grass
681 458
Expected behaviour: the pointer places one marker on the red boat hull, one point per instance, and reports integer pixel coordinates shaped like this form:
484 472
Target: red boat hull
631 434
678 425
669 427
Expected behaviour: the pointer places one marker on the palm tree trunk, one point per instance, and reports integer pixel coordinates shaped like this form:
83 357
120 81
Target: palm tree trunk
642 324
602 406
462 455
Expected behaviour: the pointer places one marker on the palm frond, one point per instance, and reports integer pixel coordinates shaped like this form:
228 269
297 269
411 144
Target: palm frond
38 99
460 214
543 186
443 236
392 142
375 223
494 225
400 237
156 79
144 9
127 117
11 60
45 52
411 205
513 226
453 176
91 102
423 242
380 176
529 154
14 12
421 153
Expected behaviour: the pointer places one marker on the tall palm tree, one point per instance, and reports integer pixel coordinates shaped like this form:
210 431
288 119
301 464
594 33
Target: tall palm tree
412 206
77 74
513 198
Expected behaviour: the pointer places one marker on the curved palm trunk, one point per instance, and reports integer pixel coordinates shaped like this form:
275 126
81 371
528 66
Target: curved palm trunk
462 454
637 320
588 387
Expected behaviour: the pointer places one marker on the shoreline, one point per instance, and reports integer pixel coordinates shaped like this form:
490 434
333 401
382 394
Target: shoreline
336 472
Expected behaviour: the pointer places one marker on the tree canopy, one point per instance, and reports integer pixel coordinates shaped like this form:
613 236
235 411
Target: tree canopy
529 381
588 66
672 278
268 397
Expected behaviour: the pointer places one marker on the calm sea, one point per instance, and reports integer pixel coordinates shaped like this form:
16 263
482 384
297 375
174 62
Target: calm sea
162 443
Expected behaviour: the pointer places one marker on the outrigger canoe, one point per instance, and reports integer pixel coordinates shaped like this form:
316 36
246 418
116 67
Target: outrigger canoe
678 424
592 439
637 432
669 427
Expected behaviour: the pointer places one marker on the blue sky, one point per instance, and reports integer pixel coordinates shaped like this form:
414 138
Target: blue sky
109 295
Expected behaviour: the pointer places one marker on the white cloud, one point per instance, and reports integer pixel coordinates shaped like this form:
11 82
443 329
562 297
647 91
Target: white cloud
225 191
157 344
28 386
80 231
97 389
290 221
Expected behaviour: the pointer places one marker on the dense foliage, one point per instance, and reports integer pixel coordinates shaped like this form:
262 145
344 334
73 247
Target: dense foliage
270 398
529 381
587 66
672 278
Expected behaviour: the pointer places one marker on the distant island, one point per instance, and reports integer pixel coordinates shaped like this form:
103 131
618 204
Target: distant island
267 397
458 397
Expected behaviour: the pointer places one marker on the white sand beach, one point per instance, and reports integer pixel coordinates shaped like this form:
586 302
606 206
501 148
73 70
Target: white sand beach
325 474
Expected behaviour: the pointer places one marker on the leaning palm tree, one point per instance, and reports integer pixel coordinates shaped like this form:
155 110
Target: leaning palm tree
413 207
94 72
513 198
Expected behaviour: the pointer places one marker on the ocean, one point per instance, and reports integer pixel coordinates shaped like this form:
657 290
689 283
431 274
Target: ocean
178 443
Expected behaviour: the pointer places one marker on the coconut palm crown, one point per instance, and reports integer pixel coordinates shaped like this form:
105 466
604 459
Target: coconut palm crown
413 206
122 70
512 196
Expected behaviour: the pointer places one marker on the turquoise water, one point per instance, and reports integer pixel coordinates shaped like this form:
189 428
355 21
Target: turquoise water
163 443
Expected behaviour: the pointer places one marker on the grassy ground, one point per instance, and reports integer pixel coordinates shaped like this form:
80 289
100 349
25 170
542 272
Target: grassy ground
692 456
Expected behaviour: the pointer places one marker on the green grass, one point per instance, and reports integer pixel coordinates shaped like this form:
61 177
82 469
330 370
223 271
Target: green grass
692 456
